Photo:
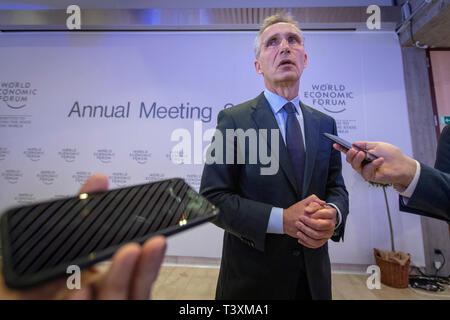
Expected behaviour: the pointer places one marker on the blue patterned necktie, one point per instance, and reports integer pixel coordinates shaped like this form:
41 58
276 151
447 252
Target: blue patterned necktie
294 144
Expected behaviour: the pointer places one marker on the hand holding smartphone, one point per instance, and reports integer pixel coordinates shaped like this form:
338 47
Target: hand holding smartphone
41 240
369 157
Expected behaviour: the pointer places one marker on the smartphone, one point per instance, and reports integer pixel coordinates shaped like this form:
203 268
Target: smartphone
40 241
347 145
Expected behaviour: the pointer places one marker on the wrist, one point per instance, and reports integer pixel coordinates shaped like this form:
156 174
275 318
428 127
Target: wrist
284 220
407 173
337 220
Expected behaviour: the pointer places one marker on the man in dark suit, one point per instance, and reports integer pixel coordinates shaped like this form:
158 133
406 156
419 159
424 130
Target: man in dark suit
277 225
423 190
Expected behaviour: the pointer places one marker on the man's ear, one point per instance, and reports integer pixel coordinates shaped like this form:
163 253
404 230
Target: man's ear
306 61
258 67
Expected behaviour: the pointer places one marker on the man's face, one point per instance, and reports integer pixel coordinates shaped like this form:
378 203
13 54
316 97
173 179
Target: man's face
282 56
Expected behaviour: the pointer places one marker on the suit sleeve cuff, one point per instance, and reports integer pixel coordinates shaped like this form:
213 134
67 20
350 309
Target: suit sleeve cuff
275 224
407 193
339 215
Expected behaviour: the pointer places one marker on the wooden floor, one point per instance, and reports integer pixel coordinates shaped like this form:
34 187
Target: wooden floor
199 283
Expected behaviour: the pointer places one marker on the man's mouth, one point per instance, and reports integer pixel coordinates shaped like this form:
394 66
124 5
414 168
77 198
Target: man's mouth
286 62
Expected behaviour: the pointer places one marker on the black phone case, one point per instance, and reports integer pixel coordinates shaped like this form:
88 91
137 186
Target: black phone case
369 157
40 241
338 140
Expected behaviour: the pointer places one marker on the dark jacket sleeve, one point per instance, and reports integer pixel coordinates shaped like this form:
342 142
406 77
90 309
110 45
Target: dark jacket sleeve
431 197
432 194
443 151
244 218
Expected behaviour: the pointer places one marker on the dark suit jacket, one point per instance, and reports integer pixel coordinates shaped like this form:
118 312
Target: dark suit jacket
431 197
257 265
443 151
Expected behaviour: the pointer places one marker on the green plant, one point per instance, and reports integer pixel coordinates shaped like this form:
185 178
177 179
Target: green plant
384 186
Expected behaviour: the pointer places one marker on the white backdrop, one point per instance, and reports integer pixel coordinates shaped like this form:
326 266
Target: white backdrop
48 147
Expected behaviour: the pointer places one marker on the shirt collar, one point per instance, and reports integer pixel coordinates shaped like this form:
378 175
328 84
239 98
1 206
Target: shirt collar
277 102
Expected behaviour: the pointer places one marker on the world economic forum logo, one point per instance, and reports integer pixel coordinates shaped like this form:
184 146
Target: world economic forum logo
332 97
16 94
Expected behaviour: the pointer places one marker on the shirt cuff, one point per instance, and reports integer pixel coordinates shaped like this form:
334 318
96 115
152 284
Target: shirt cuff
275 224
339 214
407 193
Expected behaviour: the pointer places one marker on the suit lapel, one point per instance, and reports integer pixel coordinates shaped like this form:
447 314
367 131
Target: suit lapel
312 137
265 119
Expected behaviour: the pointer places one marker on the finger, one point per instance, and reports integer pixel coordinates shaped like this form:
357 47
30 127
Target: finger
325 213
89 280
115 285
365 145
318 224
301 240
304 244
350 155
96 182
313 207
357 161
313 234
378 162
94 269
313 198
369 171
85 293
340 148
147 268
308 242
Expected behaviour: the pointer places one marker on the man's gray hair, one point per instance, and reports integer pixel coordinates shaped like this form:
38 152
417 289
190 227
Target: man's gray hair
276 18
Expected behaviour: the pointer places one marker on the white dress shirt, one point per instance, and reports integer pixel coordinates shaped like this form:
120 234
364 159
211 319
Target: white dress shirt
277 103
406 193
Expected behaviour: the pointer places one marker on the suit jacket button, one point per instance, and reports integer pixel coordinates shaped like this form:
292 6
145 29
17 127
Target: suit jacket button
296 253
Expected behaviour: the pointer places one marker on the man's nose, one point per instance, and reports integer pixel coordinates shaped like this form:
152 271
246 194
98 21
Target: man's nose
284 45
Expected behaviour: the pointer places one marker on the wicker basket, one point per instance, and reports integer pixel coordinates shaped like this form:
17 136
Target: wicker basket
393 274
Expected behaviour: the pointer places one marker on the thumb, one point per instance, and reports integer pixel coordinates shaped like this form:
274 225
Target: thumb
313 198
96 182
365 145
360 144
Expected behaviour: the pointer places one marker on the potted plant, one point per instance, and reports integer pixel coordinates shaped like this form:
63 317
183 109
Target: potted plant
394 265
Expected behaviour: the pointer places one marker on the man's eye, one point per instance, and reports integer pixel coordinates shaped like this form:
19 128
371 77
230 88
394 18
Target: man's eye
272 42
292 40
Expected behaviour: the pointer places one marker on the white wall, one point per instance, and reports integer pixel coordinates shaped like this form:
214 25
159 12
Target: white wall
204 69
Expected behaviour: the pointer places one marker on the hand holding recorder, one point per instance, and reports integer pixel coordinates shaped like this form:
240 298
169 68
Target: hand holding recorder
390 167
